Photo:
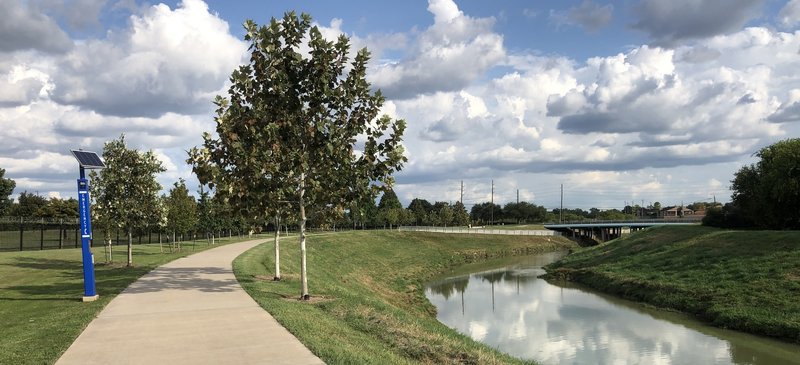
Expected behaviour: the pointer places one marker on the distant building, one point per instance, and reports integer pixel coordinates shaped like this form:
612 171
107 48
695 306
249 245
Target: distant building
677 211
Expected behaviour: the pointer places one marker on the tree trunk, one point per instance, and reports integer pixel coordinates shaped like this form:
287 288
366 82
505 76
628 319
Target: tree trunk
160 245
303 277
277 249
130 248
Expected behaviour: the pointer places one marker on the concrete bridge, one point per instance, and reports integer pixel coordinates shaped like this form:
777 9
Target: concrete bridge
595 232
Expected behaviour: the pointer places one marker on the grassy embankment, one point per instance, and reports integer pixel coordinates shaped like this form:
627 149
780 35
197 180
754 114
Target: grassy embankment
743 280
369 306
40 309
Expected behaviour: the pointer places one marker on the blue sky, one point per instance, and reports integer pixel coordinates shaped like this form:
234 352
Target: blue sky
622 101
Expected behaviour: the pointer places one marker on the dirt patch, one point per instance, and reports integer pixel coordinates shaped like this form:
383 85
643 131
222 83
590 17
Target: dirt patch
792 276
270 278
311 300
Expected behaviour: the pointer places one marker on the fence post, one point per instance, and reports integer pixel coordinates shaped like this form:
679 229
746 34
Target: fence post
20 233
60 233
76 237
41 235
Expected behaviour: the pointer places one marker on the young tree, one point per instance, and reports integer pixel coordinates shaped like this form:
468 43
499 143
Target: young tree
291 122
6 188
126 191
181 210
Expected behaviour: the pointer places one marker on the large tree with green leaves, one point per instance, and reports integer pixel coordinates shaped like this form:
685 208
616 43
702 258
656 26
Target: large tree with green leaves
125 192
287 132
768 192
6 188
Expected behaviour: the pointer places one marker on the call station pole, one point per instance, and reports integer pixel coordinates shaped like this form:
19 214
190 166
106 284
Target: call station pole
86 160
89 290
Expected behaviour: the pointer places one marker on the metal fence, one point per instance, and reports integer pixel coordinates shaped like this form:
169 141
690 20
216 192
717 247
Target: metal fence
23 234
464 230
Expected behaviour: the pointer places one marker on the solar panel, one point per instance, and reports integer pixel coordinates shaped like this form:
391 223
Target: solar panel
88 160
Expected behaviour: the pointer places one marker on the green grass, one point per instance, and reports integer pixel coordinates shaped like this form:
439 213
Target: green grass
368 304
743 280
40 309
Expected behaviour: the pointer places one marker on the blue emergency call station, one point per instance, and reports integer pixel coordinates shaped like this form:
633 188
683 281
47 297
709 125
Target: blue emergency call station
86 160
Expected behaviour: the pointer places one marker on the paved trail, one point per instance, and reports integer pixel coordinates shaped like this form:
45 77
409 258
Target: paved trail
189 311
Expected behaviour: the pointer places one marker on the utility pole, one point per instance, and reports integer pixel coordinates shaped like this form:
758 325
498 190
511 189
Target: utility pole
517 196
462 193
561 210
492 206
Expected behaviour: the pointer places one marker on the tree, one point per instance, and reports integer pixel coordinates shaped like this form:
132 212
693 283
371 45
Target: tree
207 215
28 205
126 191
767 193
486 212
390 208
420 208
460 215
289 126
6 188
181 210
58 208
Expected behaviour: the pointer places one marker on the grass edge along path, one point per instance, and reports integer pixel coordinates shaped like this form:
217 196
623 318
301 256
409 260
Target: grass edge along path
743 280
368 303
40 295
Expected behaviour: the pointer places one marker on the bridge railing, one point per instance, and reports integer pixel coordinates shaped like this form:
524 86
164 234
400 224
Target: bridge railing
466 230
648 220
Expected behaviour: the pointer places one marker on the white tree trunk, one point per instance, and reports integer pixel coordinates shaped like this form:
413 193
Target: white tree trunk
110 250
277 249
303 277
130 248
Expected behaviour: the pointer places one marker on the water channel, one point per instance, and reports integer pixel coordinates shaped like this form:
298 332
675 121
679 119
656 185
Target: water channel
505 305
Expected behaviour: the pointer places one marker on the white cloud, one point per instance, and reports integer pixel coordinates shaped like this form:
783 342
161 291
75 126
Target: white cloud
168 60
453 52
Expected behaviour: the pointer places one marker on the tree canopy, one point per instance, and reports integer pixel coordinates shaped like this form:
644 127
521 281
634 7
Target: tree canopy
767 193
125 192
6 188
287 134
181 208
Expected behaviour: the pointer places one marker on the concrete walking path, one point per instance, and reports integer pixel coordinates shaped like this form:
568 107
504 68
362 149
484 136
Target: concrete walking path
189 311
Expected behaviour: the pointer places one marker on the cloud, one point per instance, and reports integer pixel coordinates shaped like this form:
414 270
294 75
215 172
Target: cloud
160 64
789 15
699 54
79 14
788 112
23 28
668 23
587 15
449 55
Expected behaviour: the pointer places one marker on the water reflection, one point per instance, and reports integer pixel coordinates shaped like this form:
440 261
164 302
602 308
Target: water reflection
511 309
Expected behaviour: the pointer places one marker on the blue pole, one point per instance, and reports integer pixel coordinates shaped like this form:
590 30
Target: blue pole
89 291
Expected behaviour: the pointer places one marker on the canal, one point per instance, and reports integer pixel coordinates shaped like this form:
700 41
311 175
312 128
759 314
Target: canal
506 306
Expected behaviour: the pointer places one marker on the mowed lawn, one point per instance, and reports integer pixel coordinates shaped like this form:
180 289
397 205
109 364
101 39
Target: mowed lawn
368 304
41 313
